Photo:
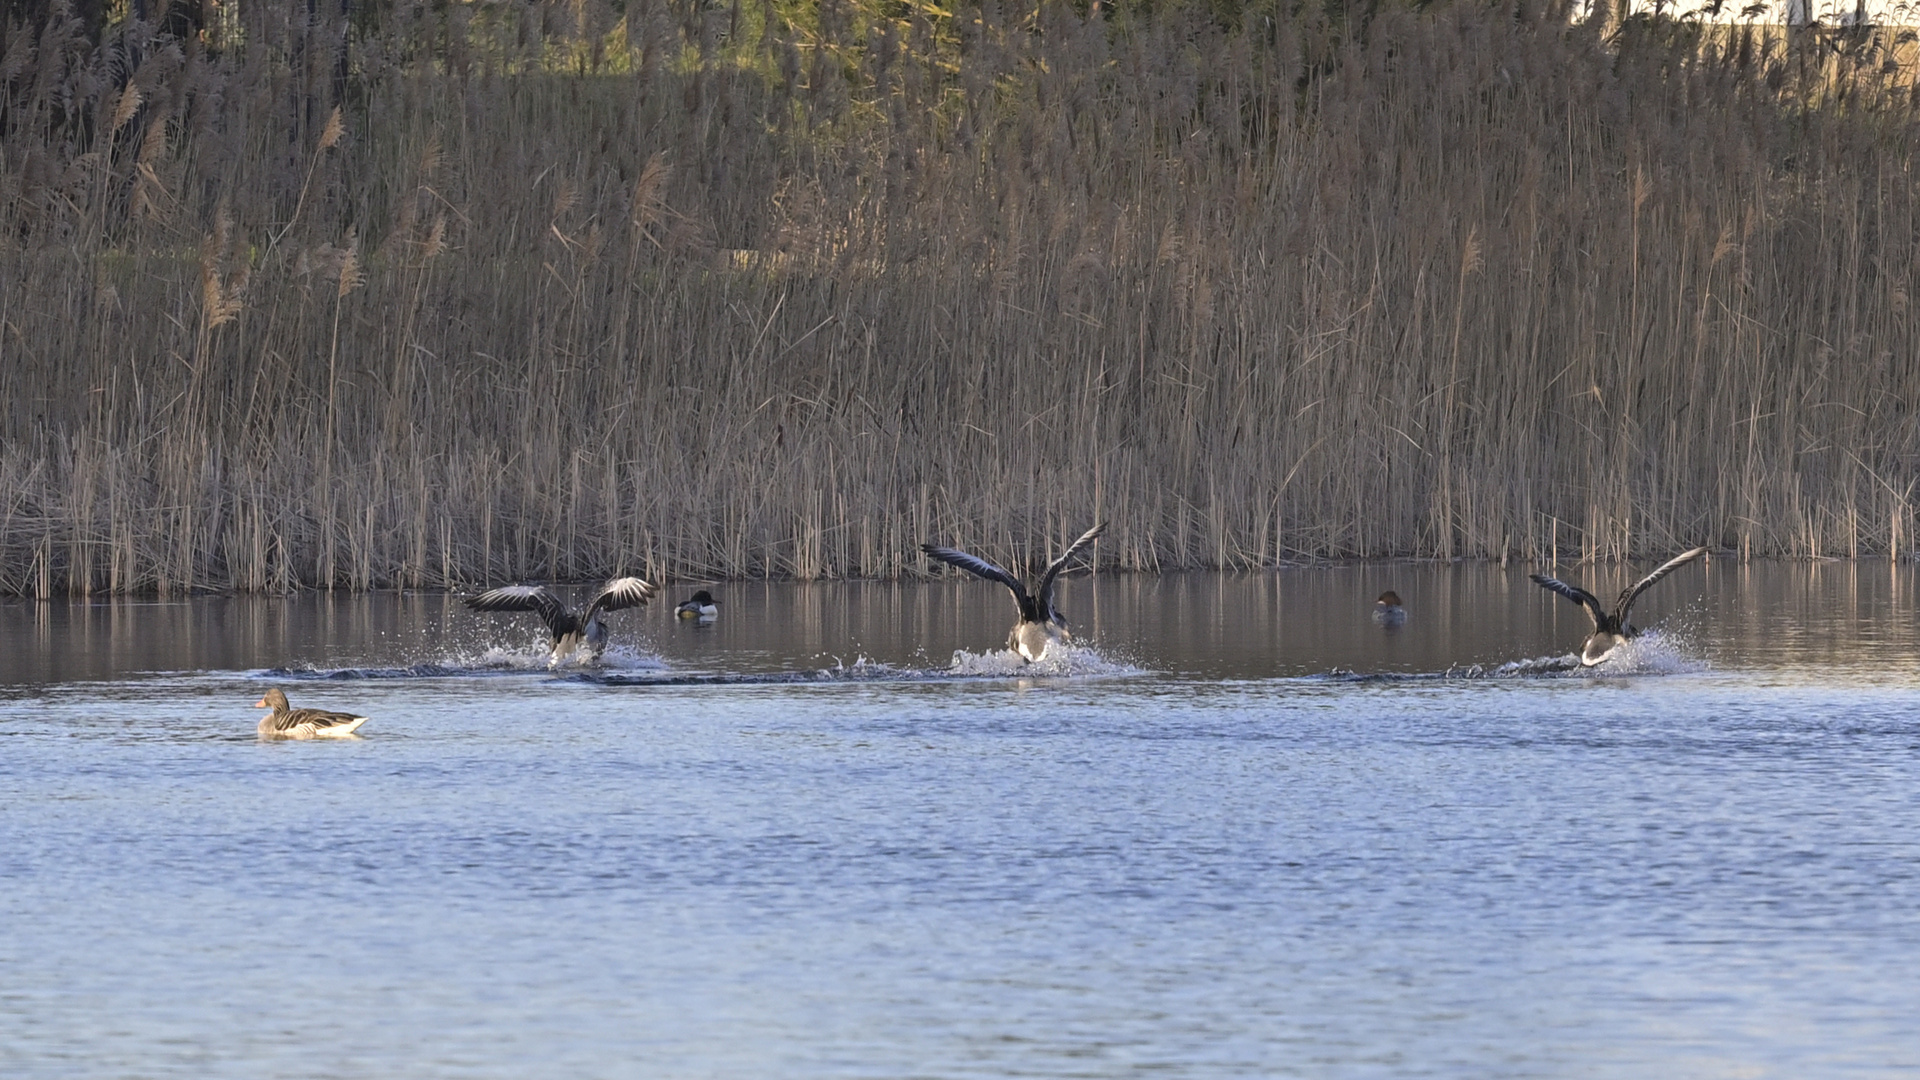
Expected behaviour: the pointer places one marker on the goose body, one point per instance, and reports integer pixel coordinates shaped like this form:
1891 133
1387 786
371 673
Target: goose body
1611 628
574 632
287 722
1387 610
1041 624
700 607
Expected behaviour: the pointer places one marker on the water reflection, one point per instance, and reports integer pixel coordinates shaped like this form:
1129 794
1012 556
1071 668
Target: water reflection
1205 868
1828 616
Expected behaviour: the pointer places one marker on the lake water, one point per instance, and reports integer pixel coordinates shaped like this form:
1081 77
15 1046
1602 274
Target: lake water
1240 831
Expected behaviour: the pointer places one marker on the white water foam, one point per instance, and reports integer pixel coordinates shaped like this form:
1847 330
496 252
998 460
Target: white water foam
1652 653
628 658
536 657
1061 659
500 658
493 660
861 668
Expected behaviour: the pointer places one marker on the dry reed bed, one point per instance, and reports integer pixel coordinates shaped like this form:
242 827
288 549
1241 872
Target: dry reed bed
723 296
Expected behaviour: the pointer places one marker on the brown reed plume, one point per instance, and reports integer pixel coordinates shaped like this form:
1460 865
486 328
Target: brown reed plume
463 293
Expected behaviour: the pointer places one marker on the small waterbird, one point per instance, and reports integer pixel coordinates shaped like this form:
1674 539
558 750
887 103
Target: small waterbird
1611 629
1041 624
287 722
573 631
701 607
1387 610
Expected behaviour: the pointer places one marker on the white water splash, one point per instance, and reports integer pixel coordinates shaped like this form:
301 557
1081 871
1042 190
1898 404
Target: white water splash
1652 653
860 668
1061 659
499 658
629 658
536 658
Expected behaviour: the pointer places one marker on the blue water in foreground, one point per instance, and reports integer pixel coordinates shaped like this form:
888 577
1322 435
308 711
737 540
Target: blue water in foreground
1258 836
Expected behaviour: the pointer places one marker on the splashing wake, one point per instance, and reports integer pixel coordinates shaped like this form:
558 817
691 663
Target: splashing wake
1061 660
493 660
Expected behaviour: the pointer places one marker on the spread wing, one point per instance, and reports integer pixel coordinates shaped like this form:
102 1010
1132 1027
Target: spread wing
981 567
524 598
1576 594
1054 568
1628 594
623 592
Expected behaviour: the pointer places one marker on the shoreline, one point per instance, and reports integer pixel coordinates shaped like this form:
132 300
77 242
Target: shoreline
916 578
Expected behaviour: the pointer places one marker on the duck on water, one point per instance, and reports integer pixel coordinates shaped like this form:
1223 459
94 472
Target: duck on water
701 607
576 634
287 722
1387 610
1041 624
1611 628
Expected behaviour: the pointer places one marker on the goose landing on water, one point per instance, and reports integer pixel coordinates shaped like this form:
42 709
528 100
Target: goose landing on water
1041 624
287 722
1611 629
573 631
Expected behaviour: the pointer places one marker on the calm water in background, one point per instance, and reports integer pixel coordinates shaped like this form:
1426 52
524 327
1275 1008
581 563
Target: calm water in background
1242 832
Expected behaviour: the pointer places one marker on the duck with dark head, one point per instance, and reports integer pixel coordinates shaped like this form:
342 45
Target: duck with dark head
701 607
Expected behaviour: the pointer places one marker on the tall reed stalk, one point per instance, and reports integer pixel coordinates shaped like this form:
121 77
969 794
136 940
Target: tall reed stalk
537 291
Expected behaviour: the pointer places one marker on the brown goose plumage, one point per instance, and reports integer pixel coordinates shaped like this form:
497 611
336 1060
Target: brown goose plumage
287 722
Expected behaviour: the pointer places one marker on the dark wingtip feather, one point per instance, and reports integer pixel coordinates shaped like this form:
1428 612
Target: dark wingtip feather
622 592
1631 592
1574 593
978 567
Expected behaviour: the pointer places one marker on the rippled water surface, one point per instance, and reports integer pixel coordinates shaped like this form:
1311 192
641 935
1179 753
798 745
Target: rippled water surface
1239 831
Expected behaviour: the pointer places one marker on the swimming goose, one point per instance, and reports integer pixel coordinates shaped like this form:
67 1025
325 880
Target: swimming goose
572 631
700 605
1387 610
1611 630
287 722
1040 622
